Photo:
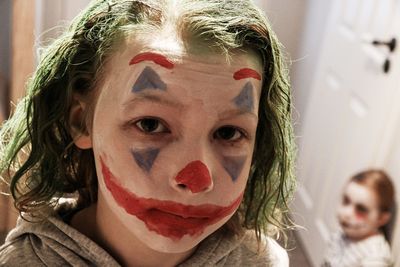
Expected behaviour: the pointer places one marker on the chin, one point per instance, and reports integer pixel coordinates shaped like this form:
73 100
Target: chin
165 243
160 238
354 234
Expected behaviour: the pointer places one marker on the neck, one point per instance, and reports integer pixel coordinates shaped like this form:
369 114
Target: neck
116 239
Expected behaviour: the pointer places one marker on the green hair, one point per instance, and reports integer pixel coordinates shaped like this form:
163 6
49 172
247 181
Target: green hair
39 160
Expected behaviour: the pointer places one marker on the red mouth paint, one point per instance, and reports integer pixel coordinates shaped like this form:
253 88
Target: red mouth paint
246 73
195 176
156 58
167 218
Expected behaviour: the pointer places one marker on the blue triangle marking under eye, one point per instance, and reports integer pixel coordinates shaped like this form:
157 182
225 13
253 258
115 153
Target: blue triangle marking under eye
145 158
234 166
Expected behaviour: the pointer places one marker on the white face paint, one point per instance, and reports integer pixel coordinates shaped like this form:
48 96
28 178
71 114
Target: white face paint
359 214
173 137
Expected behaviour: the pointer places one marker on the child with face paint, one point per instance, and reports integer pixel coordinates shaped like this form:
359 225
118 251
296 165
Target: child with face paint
153 133
366 209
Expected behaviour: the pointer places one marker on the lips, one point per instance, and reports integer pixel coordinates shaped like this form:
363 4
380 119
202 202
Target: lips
167 218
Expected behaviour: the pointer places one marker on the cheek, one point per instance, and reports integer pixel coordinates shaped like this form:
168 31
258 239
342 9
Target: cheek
234 166
341 211
372 218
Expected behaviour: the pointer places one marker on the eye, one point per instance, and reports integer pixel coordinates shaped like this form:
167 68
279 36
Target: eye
151 126
345 200
229 133
361 209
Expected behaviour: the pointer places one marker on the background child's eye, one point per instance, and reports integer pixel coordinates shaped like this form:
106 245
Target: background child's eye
361 209
228 133
345 200
151 125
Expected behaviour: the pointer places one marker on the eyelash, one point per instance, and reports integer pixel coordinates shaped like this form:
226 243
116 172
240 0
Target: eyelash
158 122
241 132
361 209
216 135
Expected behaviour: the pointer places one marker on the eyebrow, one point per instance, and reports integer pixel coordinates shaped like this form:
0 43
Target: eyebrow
148 97
362 208
237 112
155 57
246 73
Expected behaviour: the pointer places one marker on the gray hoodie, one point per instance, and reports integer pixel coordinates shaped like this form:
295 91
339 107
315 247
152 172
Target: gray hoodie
55 243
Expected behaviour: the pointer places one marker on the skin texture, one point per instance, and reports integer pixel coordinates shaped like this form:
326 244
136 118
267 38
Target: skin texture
153 139
359 214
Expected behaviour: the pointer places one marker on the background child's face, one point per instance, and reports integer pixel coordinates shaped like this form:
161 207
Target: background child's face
173 137
359 214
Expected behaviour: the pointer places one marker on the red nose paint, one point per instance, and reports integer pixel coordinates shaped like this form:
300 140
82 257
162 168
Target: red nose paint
246 73
156 58
195 176
167 218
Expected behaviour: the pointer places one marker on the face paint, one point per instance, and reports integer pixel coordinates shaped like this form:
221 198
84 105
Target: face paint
195 176
142 194
246 73
156 58
234 166
359 213
245 99
167 218
147 80
145 158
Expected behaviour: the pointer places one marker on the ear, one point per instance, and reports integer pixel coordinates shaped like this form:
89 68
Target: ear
78 125
384 218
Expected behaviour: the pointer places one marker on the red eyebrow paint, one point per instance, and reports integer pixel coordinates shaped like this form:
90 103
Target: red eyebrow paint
156 58
246 73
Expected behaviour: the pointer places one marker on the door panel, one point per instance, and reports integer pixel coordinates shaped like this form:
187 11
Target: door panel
347 113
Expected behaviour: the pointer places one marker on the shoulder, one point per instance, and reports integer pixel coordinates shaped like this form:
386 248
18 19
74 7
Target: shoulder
377 251
19 252
277 254
266 253
51 243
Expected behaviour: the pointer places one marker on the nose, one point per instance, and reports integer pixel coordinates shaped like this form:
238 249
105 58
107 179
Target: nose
194 177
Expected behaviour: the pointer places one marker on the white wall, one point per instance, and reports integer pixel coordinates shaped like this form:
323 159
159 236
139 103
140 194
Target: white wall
5 51
306 57
299 25
287 18
5 22
393 168
54 15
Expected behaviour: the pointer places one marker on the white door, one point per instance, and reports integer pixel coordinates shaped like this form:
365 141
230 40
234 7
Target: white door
348 112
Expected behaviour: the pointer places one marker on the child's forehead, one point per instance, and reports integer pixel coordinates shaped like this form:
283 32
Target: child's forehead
361 193
179 54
